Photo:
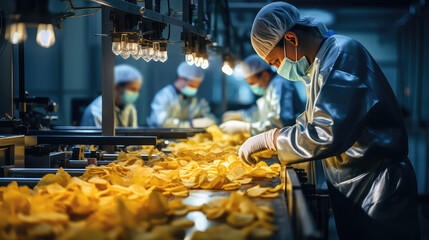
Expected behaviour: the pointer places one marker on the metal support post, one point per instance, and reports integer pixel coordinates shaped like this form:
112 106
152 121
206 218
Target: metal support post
107 81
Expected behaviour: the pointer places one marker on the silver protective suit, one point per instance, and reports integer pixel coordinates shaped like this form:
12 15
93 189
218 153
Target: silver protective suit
170 108
125 116
353 123
277 108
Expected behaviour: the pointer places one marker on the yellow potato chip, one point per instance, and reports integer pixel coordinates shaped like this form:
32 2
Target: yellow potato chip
259 172
239 219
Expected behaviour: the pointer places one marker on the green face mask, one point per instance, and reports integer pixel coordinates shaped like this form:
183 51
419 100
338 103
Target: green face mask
189 91
129 97
257 90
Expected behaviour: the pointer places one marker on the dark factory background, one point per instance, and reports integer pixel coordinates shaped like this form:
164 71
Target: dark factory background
396 33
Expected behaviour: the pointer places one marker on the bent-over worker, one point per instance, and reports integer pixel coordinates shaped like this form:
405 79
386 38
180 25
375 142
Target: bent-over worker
352 123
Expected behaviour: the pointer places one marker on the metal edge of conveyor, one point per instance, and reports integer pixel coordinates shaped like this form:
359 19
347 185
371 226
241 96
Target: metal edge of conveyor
304 224
40 172
30 182
97 140
161 133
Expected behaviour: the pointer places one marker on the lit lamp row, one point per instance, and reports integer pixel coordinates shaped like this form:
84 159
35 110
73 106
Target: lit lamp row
17 33
198 60
128 45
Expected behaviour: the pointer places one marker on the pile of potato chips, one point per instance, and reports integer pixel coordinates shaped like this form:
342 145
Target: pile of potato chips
127 198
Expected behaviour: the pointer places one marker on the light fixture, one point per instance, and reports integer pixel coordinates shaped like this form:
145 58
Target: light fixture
189 58
125 54
205 64
45 35
151 51
139 53
156 52
228 64
133 43
198 61
116 48
163 52
16 33
124 47
227 69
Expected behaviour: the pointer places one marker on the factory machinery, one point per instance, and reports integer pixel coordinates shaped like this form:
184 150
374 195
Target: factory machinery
30 147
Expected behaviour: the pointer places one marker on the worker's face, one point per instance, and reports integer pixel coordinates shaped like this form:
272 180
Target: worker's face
262 81
133 86
276 56
182 83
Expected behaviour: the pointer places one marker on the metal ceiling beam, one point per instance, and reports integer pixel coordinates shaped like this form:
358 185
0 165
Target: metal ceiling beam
149 14
239 5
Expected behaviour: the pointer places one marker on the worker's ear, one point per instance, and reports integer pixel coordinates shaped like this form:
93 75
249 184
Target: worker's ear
292 38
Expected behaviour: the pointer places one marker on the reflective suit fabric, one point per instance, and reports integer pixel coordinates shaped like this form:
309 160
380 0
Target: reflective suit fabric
354 124
277 108
124 117
172 109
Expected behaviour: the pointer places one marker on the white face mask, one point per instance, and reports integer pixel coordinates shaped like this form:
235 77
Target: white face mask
293 70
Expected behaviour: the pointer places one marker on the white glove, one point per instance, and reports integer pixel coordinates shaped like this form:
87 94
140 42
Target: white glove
260 142
232 127
203 122
232 115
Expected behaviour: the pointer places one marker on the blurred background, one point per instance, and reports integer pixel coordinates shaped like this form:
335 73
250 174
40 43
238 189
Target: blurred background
396 33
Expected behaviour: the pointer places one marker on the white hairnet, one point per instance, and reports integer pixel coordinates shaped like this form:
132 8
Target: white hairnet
273 21
190 72
125 73
253 65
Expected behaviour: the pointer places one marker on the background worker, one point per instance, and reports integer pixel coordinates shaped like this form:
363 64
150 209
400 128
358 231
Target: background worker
176 105
278 106
128 82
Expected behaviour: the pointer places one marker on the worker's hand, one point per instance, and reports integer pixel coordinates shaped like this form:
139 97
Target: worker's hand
232 115
260 142
203 122
232 127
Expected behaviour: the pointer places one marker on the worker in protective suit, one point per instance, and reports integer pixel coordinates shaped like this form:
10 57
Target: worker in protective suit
279 104
177 106
352 123
128 81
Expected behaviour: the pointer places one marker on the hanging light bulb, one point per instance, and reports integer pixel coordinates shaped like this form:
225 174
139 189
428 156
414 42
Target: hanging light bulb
116 48
139 53
189 58
156 54
151 52
205 64
45 35
125 54
124 40
163 55
227 69
16 33
133 48
145 53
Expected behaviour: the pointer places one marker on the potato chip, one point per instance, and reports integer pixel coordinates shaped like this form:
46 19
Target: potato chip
259 172
257 192
239 219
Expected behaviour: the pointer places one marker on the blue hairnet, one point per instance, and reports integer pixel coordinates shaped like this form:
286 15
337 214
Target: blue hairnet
190 72
125 73
273 21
